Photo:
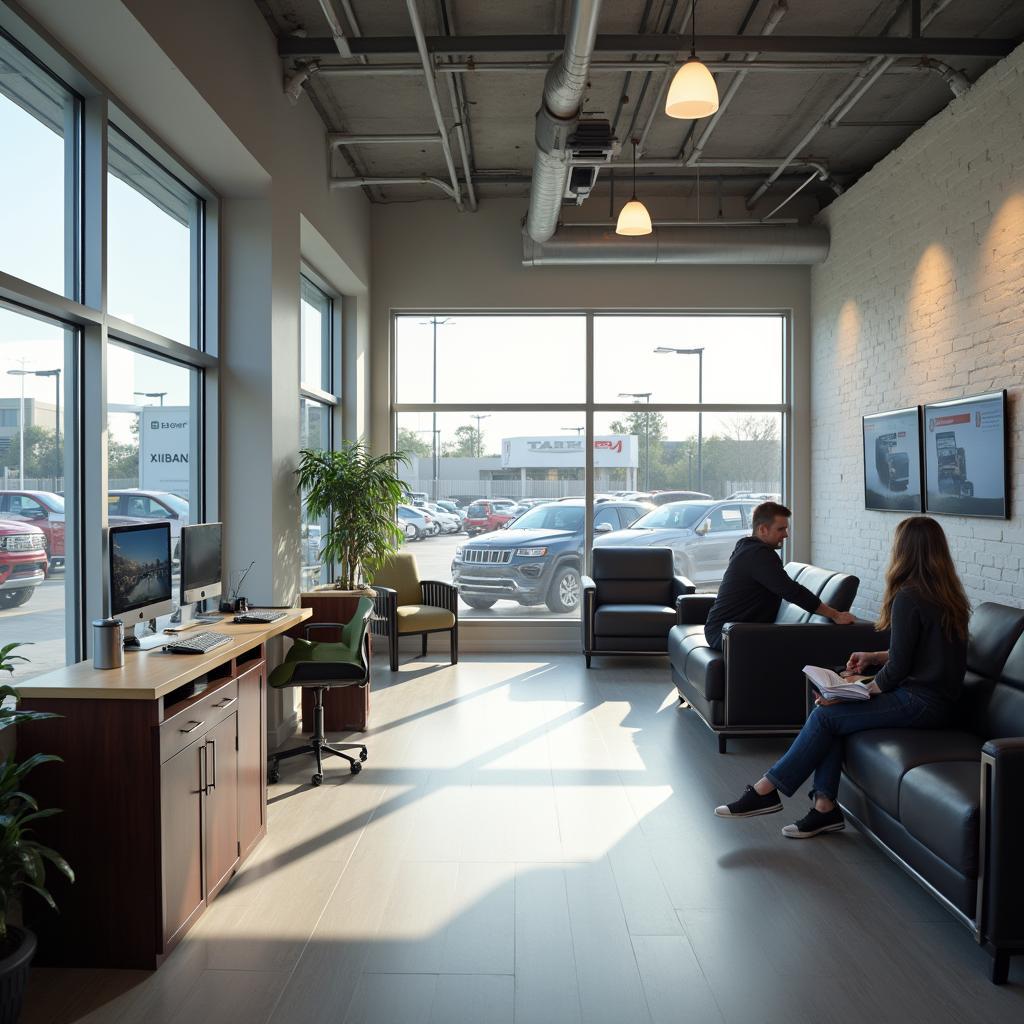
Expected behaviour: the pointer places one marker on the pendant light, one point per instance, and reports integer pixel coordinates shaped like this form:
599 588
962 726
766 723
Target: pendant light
633 217
693 93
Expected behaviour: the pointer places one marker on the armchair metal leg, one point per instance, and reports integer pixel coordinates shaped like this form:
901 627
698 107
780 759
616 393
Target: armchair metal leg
1000 967
721 743
454 635
588 661
393 649
423 651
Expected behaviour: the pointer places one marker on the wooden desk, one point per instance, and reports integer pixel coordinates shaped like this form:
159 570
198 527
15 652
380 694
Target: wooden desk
162 790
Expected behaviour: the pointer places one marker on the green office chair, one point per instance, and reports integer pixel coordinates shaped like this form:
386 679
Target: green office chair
321 665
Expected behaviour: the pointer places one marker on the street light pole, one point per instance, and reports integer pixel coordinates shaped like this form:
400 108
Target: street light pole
479 436
435 323
153 394
646 395
22 373
699 353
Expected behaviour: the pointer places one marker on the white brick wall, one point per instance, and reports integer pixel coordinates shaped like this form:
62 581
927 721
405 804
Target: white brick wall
922 299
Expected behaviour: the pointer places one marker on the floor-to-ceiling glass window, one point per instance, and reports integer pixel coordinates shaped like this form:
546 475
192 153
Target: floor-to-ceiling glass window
688 416
319 387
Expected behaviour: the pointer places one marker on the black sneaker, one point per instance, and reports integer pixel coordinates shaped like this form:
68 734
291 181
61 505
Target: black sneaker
751 803
814 823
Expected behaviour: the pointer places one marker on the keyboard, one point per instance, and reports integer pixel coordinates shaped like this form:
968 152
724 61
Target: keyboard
197 643
255 616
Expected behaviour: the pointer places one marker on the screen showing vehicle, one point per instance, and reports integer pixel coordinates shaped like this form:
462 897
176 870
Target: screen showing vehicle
140 566
892 461
965 456
200 555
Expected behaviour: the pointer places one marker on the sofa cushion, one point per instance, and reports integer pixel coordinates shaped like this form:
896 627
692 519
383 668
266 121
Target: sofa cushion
877 759
616 591
630 563
633 620
994 630
415 618
939 808
691 657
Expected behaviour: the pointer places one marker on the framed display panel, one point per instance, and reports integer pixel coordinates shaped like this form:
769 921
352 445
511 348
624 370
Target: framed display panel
965 456
892 461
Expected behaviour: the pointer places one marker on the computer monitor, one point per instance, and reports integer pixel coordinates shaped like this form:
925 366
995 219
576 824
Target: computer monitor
140 574
200 562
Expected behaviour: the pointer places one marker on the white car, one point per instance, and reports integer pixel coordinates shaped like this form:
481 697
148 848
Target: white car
448 521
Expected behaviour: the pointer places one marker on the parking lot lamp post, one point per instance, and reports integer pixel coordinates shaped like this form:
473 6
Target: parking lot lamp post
699 353
434 324
153 394
479 436
21 425
646 395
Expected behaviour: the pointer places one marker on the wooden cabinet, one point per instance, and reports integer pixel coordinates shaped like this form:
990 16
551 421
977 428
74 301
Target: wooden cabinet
220 796
181 829
252 757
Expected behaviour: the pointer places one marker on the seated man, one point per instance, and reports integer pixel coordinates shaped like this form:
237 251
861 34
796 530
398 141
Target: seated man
755 583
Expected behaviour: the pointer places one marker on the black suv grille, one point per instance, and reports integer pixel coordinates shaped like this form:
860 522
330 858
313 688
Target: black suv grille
481 556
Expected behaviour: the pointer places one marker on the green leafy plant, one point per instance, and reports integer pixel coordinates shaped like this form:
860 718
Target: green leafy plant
22 859
357 493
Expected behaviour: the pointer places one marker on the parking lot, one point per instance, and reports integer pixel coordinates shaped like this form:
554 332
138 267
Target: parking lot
41 623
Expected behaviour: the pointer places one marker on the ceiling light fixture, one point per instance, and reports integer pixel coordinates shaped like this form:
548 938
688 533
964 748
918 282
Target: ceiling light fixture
693 93
633 217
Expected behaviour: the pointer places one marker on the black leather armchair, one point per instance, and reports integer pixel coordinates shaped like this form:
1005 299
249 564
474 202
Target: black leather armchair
945 804
754 686
631 602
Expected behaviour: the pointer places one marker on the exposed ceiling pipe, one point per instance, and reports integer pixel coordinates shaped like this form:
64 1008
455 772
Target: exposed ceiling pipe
559 112
296 79
775 15
362 181
435 103
865 78
461 118
957 81
799 245
337 30
792 195
341 139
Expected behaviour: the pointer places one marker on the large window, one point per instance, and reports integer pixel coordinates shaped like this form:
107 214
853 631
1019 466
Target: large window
684 408
154 244
38 133
318 390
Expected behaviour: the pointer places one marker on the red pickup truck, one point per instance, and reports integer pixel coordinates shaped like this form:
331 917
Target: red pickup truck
484 516
22 562
40 508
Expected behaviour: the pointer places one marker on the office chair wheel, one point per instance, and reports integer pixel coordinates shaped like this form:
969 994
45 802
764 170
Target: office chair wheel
356 768
317 779
363 755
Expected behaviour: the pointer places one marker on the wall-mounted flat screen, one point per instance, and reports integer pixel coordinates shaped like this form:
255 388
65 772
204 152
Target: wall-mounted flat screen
892 461
965 456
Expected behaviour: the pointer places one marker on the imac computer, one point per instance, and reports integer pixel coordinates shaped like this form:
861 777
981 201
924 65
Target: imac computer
140 577
200 569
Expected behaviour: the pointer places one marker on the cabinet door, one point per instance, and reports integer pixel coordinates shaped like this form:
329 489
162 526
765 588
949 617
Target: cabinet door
252 756
221 803
181 828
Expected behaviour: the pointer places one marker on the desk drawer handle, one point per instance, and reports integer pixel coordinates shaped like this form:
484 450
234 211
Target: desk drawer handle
195 725
226 702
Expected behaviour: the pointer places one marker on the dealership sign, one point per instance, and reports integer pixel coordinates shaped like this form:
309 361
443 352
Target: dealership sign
611 450
164 443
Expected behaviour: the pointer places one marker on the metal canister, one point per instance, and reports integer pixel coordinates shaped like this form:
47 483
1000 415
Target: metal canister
107 643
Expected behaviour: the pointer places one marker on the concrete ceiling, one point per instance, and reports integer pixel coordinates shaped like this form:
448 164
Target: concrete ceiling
768 117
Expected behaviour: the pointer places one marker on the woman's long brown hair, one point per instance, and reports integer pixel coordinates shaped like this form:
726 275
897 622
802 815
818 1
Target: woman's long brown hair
920 559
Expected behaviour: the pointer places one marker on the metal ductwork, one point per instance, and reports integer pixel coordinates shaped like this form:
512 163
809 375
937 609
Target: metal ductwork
557 119
781 245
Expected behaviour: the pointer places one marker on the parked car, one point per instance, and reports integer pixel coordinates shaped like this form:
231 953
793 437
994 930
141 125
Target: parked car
701 535
758 495
417 519
22 562
485 516
448 522
450 506
133 505
536 559
664 497
44 509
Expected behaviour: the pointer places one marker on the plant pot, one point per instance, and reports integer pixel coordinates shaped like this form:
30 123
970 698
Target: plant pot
21 947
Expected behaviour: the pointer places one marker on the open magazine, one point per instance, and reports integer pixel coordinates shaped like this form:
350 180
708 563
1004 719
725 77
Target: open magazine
833 686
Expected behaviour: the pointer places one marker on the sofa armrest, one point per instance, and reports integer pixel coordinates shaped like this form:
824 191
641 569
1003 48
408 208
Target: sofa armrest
681 586
764 661
1001 919
440 595
692 609
588 602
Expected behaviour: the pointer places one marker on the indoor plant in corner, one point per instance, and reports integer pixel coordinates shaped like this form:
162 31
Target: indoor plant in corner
357 493
22 859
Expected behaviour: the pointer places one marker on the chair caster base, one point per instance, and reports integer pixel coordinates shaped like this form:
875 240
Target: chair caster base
317 779
363 755
356 768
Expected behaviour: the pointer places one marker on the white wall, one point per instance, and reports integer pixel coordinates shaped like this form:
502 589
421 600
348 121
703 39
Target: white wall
426 255
919 301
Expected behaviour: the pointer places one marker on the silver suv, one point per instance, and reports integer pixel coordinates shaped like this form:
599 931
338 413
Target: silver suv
701 535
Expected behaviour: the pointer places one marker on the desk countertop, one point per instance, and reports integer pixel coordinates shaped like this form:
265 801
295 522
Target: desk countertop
150 675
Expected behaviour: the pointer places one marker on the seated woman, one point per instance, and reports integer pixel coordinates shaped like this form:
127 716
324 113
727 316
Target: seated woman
918 681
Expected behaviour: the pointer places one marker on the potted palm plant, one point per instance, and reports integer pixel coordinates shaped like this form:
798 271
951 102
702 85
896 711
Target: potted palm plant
356 492
22 859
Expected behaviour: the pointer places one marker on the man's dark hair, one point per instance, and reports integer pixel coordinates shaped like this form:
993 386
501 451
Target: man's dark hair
765 513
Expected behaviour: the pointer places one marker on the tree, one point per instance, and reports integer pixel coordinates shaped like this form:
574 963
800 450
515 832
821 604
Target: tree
122 459
468 444
649 429
752 428
412 443
40 453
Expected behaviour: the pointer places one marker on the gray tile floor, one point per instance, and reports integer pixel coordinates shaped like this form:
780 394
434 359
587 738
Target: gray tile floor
533 842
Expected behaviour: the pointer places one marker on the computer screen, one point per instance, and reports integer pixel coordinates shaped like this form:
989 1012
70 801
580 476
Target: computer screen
140 571
200 562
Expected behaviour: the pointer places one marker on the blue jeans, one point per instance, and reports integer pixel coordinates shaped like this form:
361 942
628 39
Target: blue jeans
819 746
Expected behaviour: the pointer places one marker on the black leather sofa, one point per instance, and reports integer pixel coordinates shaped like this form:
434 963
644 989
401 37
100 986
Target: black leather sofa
948 804
631 601
754 686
